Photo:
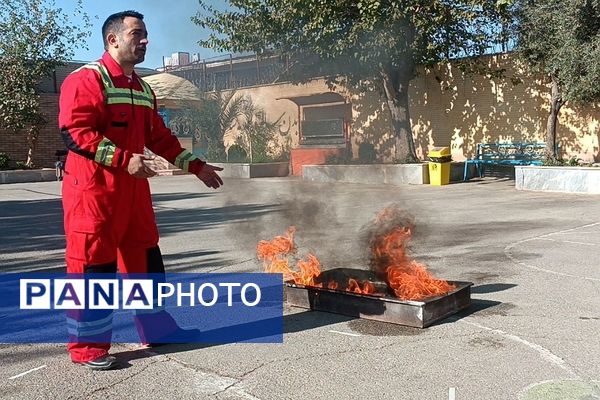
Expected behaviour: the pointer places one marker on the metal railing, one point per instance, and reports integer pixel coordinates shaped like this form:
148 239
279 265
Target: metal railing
233 73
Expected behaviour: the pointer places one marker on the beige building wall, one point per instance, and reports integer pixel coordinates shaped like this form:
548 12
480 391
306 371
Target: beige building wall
274 100
447 108
371 123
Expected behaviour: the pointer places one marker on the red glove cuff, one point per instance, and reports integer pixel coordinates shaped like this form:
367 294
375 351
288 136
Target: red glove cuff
122 158
195 166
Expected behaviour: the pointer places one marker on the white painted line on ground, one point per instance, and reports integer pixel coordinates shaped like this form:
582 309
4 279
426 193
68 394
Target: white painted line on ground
570 241
452 394
346 333
581 233
36 269
27 372
577 228
507 252
543 352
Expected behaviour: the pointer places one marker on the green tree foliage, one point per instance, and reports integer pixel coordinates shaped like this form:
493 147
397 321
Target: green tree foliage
256 133
210 121
217 115
368 42
35 37
237 154
561 39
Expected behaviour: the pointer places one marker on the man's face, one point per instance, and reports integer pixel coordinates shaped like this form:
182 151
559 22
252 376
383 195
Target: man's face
132 41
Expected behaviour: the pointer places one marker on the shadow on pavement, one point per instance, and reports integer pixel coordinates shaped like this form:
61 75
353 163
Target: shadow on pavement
492 287
307 320
477 306
297 322
32 237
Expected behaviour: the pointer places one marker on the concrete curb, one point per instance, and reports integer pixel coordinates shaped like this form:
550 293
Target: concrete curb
31 175
558 179
392 174
259 170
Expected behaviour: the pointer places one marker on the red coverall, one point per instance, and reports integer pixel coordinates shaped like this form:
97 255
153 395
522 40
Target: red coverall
104 118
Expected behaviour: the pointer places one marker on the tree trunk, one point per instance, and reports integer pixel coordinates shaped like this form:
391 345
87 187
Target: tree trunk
250 148
395 85
32 138
556 102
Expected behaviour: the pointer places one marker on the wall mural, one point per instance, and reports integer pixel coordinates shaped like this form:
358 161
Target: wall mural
257 139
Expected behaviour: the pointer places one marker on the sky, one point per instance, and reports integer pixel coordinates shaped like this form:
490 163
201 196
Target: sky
168 23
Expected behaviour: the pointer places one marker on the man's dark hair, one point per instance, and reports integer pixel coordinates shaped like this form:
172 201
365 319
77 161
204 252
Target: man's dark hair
114 23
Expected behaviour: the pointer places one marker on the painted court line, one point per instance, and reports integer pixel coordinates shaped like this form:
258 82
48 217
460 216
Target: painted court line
27 372
542 351
570 241
510 256
346 333
452 394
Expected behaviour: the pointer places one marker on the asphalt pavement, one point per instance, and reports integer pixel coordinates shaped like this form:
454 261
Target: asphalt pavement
531 332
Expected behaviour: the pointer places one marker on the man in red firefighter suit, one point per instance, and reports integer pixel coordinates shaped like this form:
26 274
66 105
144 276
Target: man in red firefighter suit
107 116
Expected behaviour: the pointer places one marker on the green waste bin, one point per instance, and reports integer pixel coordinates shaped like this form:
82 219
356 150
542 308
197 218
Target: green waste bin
439 166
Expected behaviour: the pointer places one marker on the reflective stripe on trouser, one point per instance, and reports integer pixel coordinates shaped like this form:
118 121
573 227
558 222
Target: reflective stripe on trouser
89 326
90 331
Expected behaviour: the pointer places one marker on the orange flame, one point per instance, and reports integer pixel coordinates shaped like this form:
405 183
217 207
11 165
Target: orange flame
354 286
416 284
408 279
368 287
332 285
278 246
274 254
309 269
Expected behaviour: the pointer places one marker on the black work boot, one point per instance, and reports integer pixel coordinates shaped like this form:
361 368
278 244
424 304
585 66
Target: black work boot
100 364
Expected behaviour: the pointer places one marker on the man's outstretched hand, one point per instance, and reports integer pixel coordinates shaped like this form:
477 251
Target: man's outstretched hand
138 169
208 175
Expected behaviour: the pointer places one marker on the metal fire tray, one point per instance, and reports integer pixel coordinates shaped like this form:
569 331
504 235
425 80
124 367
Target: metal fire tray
418 314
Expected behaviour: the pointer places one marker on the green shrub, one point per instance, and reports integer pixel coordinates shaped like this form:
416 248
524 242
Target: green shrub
367 153
282 156
4 160
236 153
262 158
21 165
559 162
553 162
336 159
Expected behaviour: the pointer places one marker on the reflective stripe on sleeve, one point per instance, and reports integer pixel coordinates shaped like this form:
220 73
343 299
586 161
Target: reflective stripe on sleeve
183 160
105 152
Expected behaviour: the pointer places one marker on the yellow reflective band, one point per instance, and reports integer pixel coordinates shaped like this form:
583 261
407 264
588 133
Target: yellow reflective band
147 88
128 92
120 95
127 100
127 96
104 75
105 152
183 160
